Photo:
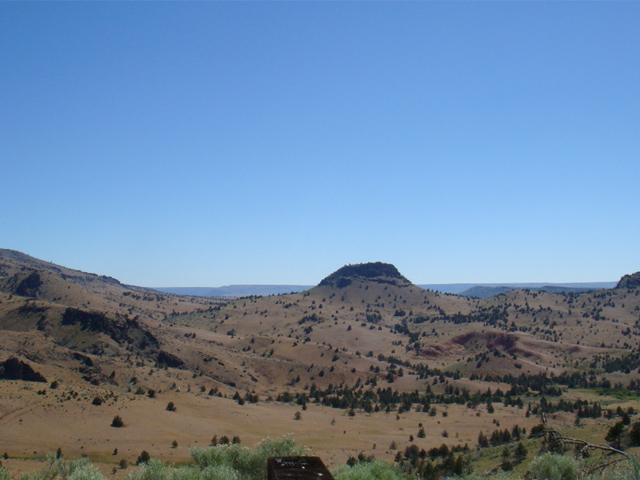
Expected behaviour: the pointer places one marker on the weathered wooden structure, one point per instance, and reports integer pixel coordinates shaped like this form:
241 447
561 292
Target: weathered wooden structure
297 468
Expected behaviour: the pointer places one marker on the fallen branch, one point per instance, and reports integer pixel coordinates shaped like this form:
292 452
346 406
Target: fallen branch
555 438
555 441
604 465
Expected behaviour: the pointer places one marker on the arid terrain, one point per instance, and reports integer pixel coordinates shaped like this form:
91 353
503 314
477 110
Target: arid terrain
363 363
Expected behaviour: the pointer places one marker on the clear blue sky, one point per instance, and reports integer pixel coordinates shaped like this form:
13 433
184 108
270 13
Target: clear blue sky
214 143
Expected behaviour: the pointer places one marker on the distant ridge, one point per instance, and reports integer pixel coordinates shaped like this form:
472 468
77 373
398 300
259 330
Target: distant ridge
464 289
629 281
235 290
481 291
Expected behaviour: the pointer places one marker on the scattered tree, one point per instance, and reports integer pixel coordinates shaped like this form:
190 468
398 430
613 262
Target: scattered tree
117 422
144 457
614 434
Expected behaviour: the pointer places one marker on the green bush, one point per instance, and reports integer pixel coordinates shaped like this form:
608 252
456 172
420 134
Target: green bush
375 470
190 472
221 472
153 469
4 474
624 471
86 472
60 469
249 463
496 476
553 467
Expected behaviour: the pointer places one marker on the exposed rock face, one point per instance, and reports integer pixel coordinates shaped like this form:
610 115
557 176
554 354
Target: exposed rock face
122 331
375 272
30 286
169 359
14 369
629 281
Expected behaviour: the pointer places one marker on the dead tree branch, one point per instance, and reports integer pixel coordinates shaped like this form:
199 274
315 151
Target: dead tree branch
555 441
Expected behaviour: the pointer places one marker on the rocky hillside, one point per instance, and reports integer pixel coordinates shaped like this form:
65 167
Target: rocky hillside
373 272
343 330
629 281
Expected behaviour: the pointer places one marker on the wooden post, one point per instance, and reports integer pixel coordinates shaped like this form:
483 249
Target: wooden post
297 468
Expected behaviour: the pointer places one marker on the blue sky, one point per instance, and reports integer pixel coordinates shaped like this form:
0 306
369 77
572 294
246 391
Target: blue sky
214 143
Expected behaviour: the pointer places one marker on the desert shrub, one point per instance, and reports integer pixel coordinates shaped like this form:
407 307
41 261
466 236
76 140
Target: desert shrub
623 471
497 476
189 472
153 469
86 472
221 472
208 457
375 470
59 469
4 474
249 463
553 467
117 421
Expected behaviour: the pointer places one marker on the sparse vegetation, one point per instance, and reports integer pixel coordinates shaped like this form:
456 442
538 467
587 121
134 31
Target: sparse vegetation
496 377
233 461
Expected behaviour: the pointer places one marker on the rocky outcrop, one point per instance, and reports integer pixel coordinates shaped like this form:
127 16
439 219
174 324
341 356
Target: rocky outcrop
375 272
14 369
629 281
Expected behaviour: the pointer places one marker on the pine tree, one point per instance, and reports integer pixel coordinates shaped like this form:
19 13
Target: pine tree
483 441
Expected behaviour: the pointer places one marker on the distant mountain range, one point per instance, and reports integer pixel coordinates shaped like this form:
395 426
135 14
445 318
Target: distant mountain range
235 290
479 290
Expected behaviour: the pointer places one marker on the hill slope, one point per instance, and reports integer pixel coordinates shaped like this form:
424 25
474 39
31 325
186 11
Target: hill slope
365 340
